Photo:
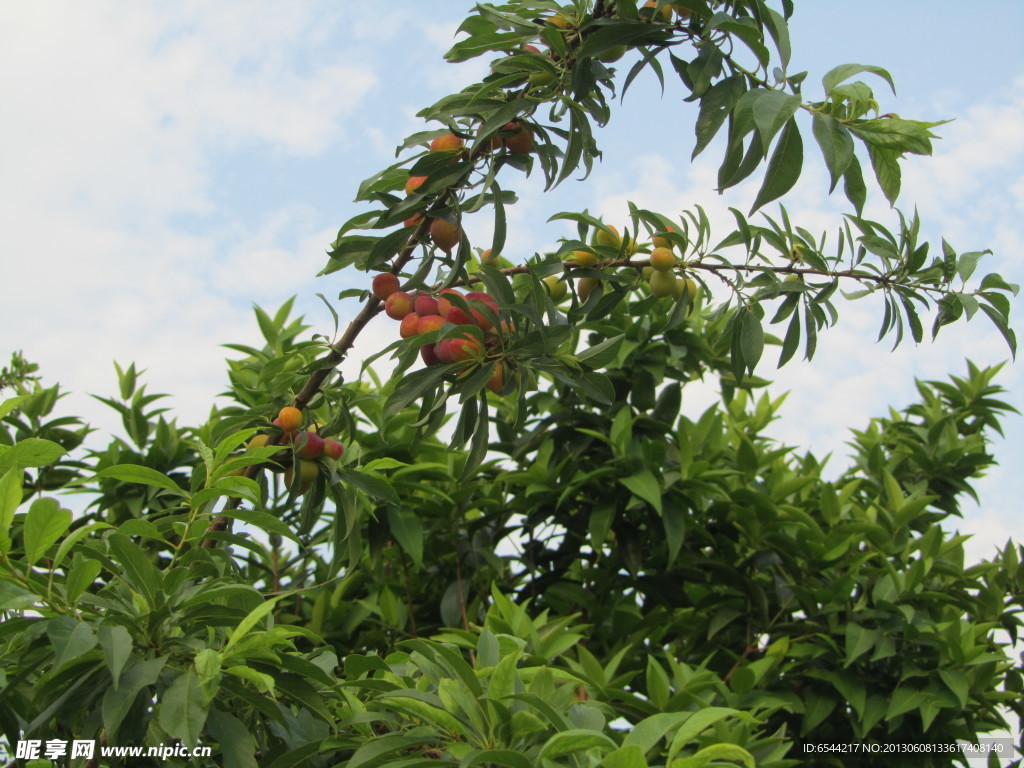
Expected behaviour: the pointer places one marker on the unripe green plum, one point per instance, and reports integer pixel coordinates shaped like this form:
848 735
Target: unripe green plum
556 288
662 283
687 286
258 441
585 286
308 470
584 259
539 79
612 54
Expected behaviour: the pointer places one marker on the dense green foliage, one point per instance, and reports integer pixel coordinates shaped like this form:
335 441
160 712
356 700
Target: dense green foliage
575 570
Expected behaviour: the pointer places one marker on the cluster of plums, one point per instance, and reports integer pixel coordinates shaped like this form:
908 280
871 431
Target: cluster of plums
421 313
309 448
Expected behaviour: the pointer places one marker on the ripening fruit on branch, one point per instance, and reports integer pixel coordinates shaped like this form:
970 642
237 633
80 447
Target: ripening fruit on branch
556 288
490 259
665 12
445 234
477 301
662 259
497 381
445 308
414 183
408 327
447 143
662 242
413 220
428 323
559 20
609 237
425 304
333 449
463 350
308 470
520 140
289 418
398 305
429 355
385 284
311 445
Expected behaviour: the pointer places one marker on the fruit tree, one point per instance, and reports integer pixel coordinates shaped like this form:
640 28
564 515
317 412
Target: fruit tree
520 548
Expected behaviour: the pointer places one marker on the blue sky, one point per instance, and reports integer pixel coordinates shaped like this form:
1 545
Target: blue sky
167 165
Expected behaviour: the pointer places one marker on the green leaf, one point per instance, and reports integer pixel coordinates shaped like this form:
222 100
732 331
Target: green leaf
698 722
771 111
119 698
14 598
71 638
251 620
31 452
10 499
11 403
836 146
117 648
44 524
574 740
625 757
894 134
375 486
262 520
650 730
854 188
135 473
715 106
644 485
845 71
859 640
143 576
751 339
886 165
237 746
408 530
600 355
717 754
180 711
783 168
